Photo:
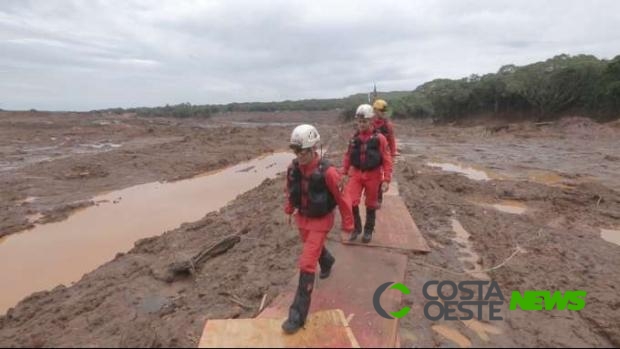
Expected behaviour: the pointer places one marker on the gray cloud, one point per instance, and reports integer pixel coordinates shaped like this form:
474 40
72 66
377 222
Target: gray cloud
81 55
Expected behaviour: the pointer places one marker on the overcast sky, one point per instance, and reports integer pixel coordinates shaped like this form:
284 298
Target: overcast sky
85 54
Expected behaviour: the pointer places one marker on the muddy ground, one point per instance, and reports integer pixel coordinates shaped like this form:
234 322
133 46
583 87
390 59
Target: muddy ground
566 173
53 163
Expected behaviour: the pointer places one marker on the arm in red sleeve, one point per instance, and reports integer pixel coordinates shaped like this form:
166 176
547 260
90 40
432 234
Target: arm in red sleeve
391 138
387 159
288 208
332 178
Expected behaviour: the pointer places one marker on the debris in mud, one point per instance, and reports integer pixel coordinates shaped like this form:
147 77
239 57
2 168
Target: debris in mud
610 235
27 200
235 299
33 218
611 158
107 146
247 169
183 268
469 172
84 171
495 129
60 213
507 206
512 208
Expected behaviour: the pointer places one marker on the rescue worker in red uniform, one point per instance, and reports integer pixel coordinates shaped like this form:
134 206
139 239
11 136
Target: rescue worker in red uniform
383 125
369 163
312 194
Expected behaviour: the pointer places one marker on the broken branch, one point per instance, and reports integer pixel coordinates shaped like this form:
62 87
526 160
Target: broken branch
190 266
262 303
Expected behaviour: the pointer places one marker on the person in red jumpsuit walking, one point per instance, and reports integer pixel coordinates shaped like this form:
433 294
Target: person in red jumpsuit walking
312 194
383 125
369 163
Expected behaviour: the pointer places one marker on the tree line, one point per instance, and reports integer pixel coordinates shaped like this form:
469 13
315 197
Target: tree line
189 110
582 84
564 83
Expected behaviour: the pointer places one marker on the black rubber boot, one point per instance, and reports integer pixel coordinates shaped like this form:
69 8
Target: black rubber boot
326 261
358 223
298 312
369 227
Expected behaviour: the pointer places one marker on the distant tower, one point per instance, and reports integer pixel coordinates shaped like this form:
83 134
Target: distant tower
372 95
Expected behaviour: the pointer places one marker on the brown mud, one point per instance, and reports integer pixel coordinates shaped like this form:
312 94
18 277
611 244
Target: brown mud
564 173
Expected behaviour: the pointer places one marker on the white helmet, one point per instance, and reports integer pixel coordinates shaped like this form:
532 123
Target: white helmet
364 111
304 136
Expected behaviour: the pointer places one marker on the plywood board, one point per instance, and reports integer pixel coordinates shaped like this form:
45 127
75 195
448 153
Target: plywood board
325 329
394 228
355 276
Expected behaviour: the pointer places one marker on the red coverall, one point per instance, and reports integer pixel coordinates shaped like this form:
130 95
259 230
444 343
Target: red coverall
313 230
370 181
377 123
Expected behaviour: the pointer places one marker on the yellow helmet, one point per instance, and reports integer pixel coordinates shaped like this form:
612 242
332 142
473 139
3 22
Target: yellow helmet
380 105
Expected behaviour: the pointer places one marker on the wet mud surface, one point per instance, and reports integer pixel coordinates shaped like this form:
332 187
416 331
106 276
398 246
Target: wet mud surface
561 176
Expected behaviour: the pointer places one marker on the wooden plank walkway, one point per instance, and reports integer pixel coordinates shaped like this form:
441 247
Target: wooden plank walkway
342 313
